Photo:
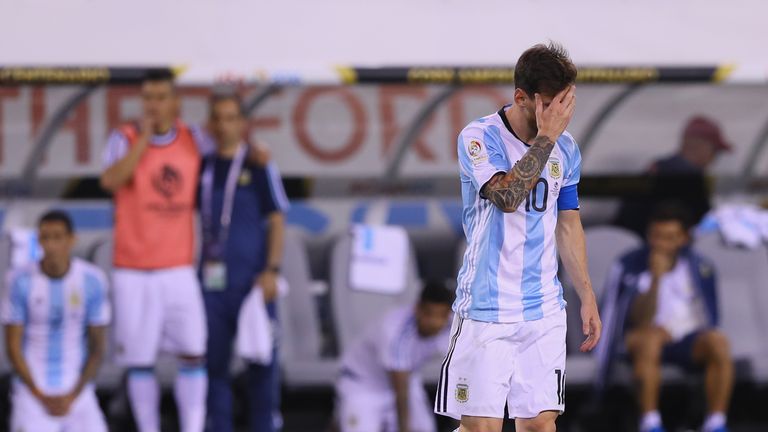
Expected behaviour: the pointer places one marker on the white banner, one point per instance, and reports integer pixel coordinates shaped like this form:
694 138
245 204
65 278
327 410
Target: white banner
306 39
353 131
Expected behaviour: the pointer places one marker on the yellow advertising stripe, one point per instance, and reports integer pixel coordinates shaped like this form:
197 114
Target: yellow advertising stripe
347 74
723 72
178 70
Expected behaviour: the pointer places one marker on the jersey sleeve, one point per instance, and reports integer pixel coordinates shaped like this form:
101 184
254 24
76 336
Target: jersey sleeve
271 192
481 155
397 350
569 194
116 149
573 164
203 140
98 311
15 300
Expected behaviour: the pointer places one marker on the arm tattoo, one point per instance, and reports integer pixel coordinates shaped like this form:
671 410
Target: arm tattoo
509 190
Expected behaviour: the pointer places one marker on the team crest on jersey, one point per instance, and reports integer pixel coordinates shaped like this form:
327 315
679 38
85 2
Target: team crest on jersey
245 178
74 300
555 169
462 393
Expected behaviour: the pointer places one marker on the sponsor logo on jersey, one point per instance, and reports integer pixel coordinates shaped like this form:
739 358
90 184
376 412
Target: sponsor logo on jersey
475 148
462 393
476 153
168 181
556 189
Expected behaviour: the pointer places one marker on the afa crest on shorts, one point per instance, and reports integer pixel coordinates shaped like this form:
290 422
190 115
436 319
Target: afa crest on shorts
555 169
462 393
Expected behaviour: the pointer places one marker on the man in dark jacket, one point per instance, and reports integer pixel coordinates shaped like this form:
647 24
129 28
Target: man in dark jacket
661 307
682 176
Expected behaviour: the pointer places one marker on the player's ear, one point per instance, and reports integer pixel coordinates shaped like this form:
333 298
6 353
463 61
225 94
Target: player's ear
520 97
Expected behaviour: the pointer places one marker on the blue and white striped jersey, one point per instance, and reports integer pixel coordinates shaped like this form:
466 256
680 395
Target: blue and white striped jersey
55 314
509 271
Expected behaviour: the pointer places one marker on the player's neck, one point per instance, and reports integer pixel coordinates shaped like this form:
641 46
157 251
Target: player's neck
55 268
163 128
519 124
227 150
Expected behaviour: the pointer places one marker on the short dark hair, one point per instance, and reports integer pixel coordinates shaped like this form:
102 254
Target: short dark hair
436 292
160 75
222 96
58 216
671 211
544 69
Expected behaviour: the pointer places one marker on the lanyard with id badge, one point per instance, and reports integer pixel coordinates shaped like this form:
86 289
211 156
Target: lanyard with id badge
214 268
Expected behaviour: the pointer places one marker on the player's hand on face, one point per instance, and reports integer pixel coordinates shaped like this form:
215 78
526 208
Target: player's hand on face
659 263
591 326
147 128
553 120
268 282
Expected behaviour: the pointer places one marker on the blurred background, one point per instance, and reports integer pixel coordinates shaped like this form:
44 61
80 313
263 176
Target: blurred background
360 103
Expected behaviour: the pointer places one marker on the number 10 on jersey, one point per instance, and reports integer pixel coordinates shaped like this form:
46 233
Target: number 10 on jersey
538 197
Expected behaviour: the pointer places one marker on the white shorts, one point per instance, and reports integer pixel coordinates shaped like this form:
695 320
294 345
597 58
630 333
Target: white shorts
157 310
29 415
362 409
489 365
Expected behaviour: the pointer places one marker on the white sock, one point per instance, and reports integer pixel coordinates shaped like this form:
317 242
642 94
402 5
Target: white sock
144 395
714 421
190 390
650 420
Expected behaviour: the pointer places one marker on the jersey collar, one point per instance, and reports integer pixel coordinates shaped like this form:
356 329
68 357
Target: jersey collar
166 138
503 114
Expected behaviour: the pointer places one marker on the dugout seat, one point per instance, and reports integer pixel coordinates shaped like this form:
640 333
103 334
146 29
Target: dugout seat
354 310
604 245
110 375
300 346
5 264
742 297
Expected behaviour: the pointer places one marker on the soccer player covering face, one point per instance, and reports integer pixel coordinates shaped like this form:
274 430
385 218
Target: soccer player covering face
519 173
152 168
380 388
55 314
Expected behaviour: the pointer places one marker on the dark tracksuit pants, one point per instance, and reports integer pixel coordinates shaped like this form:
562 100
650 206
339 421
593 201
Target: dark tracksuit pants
222 308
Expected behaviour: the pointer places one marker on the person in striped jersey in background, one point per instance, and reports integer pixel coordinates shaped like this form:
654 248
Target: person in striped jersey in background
55 314
379 388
